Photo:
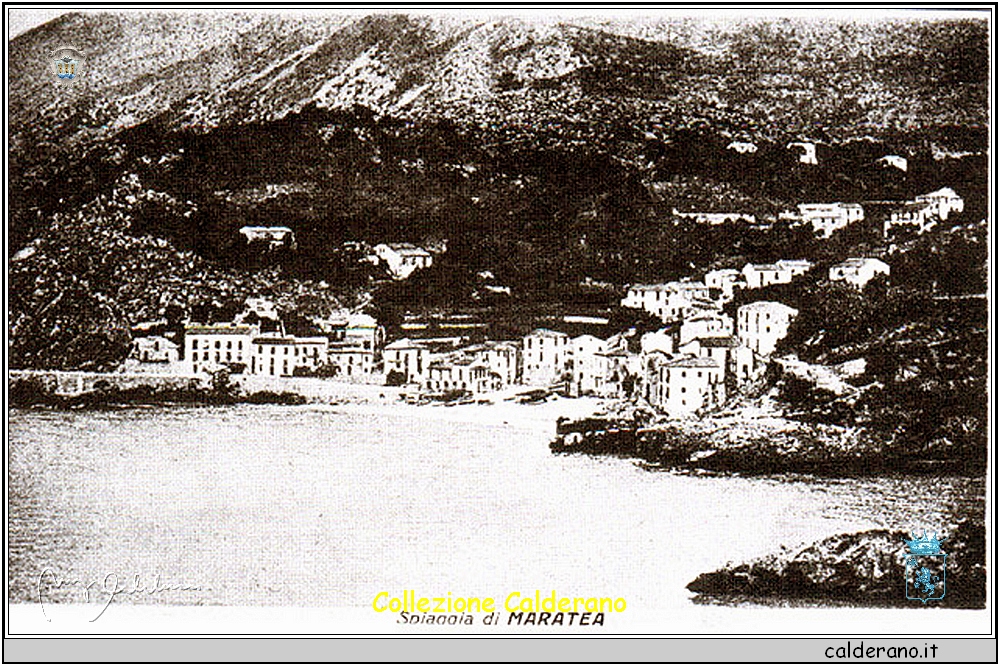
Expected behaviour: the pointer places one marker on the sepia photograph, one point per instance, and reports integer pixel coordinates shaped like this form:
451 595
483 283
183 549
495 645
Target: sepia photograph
501 321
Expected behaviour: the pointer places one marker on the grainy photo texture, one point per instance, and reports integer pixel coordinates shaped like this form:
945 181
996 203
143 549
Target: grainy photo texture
511 323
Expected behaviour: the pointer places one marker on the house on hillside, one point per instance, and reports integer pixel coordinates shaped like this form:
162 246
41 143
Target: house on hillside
402 259
715 218
914 216
671 301
726 280
275 237
762 324
783 271
825 218
894 161
945 202
806 151
742 147
858 271
705 325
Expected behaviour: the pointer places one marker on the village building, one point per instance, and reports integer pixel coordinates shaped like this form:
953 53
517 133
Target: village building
546 357
858 271
617 369
349 362
402 259
826 218
663 340
720 348
460 372
501 357
275 237
155 349
742 147
945 202
407 358
894 161
589 366
917 217
806 151
761 325
286 356
783 271
726 280
354 329
736 359
263 308
212 346
671 301
686 385
715 218
705 325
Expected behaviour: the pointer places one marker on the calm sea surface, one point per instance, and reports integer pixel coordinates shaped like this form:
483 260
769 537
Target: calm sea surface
274 505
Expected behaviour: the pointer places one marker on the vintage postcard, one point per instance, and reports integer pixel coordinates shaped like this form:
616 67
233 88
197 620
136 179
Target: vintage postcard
496 321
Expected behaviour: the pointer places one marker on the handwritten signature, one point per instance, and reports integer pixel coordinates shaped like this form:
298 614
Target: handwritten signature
106 590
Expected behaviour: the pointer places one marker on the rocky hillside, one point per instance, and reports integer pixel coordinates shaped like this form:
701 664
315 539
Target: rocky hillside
548 153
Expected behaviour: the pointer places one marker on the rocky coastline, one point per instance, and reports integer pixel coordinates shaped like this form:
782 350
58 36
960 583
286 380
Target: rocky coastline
866 569
754 438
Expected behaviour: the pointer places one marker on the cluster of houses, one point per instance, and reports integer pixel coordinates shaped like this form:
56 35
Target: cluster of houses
919 215
400 260
686 366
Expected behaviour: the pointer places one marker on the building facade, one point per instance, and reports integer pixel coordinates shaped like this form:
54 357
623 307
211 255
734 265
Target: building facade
761 325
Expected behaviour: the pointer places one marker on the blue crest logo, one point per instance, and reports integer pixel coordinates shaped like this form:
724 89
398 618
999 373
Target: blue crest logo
67 63
925 568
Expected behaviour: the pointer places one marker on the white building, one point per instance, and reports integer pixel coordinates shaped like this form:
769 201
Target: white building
687 385
742 147
401 259
706 325
806 150
349 362
858 271
589 365
918 217
273 236
663 340
783 271
671 301
547 356
209 347
407 358
726 280
945 202
502 359
826 218
461 373
894 161
761 325
155 349
282 356
715 218
353 328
